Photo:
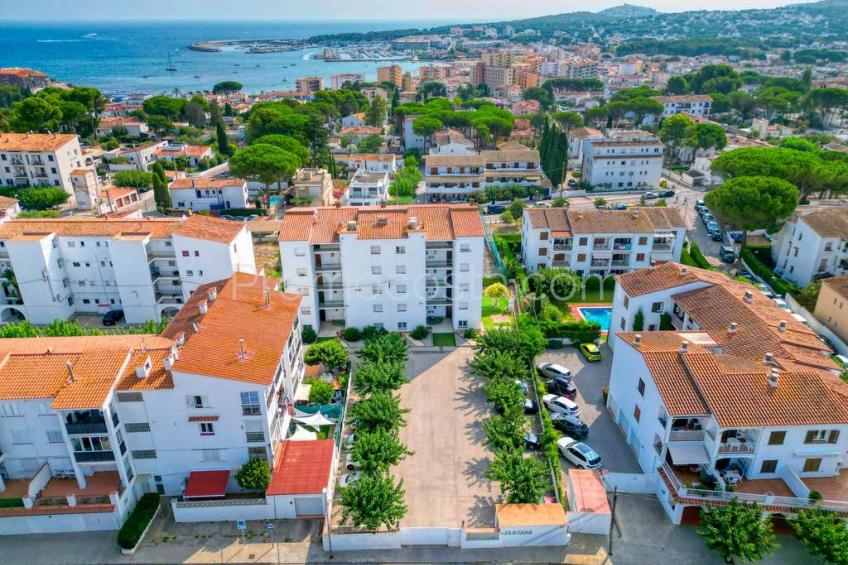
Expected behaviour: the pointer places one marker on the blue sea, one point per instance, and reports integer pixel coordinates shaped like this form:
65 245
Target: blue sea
126 57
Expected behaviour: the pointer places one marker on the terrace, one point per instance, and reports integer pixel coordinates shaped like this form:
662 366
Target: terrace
43 494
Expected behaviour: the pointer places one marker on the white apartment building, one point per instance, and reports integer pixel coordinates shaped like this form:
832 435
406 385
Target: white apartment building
570 67
367 189
576 137
9 209
206 193
192 154
315 183
90 423
146 268
696 105
137 157
337 81
696 414
625 160
601 242
40 159
811 245
397 267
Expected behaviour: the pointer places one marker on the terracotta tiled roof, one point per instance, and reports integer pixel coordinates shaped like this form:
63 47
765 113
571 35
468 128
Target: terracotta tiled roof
302 467
210 229
555 219
504 155
205 182
35 141
828 223
439 222
237 313
635 220
664 277
454 160
183 151
839 285
6 202
581 133
158 379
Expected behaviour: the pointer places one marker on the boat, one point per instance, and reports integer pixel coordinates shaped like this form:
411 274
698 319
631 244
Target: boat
171 66
196 76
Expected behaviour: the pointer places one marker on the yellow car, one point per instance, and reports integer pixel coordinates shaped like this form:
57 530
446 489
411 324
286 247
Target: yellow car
590 351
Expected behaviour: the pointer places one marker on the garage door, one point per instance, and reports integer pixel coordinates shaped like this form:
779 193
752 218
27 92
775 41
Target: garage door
308 506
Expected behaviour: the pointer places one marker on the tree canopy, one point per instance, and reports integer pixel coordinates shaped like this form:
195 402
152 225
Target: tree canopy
737 530
264 163
753 202
227 87
287 143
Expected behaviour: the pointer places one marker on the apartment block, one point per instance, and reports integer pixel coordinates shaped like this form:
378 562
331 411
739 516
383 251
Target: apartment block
396 267
39 159
831 309
367 189
698 105
315 183
600 242
391 73
206 193
146 268
337 81
811 245
577 68
624 160
90 423
310 84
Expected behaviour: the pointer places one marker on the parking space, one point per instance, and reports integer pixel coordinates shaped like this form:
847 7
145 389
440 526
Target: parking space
95 321
605 437
445 479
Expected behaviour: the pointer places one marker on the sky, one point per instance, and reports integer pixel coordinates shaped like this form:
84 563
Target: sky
367 10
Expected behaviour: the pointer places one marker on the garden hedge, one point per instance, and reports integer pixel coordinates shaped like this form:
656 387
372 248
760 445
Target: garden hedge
130 533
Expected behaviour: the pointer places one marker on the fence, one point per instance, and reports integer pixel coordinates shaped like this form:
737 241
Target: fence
222 510
493 249
633 483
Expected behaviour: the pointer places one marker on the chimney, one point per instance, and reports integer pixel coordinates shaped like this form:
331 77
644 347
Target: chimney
637 340
212 294
203 307
351 225
195 327
413 222
70 367
181 338
773 378
684 271
143 371
267 297
781 326
169 362
768 359
684 346
732 329
242 349
749 297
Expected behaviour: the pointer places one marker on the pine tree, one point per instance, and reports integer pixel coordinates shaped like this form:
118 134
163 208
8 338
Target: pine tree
223 141
161 194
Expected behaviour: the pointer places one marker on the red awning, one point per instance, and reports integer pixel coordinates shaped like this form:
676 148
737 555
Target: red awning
206 484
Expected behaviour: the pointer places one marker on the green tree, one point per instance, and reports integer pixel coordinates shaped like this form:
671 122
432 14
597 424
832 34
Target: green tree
254 475
430 89
159 124
39 197
706 135
165 106
161 194
498 365
676 130
320 391
797 167
737 530
753 202
824 534
374 500
559 284
375 115
374 376
517 207
542 96
195 114
222 139
287 143
426 126
35 114
227 87
505 432
133 179
330 353
386 347
377 451
639 321
369 144
568 119
522 479
504 393
742 102
380 411
264 163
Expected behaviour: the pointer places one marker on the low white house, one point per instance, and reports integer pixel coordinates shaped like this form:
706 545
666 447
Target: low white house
367 189
205 193
812 244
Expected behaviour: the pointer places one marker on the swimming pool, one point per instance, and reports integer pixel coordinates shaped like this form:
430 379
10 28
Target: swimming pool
601 315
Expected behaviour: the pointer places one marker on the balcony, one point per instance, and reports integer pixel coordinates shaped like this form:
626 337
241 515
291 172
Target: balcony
438 283
439 301
94 456
618 263
563 246
560 264
255 437
439 245
327 267
687 435
329 286
331 304
438 264
736 448
86 428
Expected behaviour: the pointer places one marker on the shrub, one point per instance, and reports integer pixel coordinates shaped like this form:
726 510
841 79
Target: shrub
639 321
37 197
351 334
254 475
698 257
471 333
665 322
142 514
331 353
309 335
420 332
320 392
373 331
385 347
496 290
760 269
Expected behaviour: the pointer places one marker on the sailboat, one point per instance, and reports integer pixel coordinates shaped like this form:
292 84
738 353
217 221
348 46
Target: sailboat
171 66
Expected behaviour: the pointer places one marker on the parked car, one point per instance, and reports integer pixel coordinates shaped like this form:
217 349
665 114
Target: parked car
563 387
766 289
707 218
727 254
113 317
530 407
579 454
349 478
561 404
650 195
590 351
552 371
667 194
571 183
522 385
532 441
782 303
570 425
621 206
495 209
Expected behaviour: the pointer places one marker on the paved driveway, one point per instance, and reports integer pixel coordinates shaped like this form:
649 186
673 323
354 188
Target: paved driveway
605 437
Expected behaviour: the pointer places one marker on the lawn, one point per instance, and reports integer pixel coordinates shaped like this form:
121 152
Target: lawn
444 339
496 313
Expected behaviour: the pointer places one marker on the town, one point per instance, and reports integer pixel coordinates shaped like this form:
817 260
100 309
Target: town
563 294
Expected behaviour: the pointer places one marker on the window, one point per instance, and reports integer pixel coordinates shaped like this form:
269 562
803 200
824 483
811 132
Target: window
55 436
812 465
463 305
543 252
186 254
400 250
768 466
197 253
637 413
250 403
464 247
640 256
543 236
144 454
256 453
401 326
400 269
137 427
75 263
657 307
401 289
378 308
641 387
306 311
375 250
196 402
583 241
581 257
623 324
464 267
207 429
376 270
643 241
10 410
401 307
301 271
822 436
462 323
377 289
776 438
299 251
210 455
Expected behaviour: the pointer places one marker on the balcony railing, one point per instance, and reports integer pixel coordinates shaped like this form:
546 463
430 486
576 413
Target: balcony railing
255 437
437 264
324 267
661 247
331 304
438 300
563 246
437 283
736 448
86 428
93 456
687 435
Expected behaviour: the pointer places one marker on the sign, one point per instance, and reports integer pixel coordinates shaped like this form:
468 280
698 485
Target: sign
270 526
241 524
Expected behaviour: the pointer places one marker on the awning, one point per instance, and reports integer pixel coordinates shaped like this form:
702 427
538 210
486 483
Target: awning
206 484
689 453
302 434
314 420
302 392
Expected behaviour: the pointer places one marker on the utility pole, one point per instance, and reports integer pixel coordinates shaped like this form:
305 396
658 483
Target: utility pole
327 519
612 519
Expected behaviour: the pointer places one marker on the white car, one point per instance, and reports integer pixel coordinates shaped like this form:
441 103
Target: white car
348 479
553 370
765 289
782 304
579 454
561 405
